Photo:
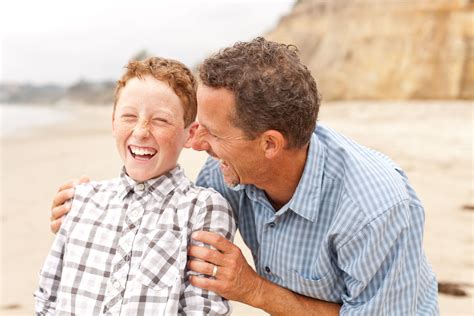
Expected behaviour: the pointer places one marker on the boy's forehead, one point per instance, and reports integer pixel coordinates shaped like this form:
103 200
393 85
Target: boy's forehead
149 90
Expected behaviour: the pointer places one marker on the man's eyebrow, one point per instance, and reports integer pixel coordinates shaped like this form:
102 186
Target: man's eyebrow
206 127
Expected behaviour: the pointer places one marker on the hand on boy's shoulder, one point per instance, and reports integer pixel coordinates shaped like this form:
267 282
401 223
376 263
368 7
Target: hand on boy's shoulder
61 205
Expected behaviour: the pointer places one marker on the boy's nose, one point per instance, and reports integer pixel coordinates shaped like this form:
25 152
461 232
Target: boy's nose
142 129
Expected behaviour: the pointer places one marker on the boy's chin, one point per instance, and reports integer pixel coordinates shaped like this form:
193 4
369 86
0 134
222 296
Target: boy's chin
141 176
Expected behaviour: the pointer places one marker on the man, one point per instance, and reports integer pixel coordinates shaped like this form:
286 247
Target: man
333 227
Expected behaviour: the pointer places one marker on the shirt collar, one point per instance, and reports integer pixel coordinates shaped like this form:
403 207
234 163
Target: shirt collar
159 187
306 199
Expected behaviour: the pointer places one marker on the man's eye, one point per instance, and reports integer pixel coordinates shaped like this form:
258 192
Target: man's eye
129 116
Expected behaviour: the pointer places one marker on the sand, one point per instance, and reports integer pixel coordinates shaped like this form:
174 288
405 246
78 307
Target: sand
432 141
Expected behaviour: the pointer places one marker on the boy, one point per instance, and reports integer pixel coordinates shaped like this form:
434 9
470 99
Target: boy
123 247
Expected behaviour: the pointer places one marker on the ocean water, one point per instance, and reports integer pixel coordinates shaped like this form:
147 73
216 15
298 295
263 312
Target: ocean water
16 118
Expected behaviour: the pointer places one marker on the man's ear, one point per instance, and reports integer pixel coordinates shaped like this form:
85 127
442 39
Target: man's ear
272 143
191 133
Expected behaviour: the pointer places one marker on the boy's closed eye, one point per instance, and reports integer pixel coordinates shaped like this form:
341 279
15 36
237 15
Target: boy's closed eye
128 116
161 120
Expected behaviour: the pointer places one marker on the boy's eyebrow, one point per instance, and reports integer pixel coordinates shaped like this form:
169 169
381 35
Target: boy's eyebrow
161 111
128 107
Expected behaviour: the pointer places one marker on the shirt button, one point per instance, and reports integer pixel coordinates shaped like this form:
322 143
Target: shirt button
134 213
272 225
267 268
116 284
140 187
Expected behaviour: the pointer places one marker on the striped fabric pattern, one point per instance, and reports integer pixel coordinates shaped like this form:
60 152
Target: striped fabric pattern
122 249
352 232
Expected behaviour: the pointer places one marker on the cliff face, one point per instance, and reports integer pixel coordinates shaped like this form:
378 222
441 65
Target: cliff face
385 49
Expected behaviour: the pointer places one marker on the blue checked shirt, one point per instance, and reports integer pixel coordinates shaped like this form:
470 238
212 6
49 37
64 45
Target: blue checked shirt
351 234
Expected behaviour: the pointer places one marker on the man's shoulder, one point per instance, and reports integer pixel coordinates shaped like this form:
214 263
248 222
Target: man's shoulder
367 177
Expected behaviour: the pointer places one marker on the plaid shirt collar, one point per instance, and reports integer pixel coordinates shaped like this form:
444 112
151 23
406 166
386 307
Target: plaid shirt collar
158 187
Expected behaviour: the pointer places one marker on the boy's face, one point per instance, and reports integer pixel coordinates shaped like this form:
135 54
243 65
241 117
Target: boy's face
148 127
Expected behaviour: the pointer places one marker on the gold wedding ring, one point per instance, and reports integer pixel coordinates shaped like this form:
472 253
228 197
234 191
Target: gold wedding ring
214 271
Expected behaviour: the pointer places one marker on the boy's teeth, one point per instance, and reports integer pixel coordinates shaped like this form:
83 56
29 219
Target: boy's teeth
142 151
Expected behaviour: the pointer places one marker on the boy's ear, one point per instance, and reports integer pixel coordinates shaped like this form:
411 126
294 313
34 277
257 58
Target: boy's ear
191 133
272 143
113 121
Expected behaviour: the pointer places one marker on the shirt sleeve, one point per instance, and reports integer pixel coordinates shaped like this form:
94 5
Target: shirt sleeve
381 265
50 275
215 215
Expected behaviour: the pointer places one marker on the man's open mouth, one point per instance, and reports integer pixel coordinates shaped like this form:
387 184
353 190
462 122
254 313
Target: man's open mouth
142 153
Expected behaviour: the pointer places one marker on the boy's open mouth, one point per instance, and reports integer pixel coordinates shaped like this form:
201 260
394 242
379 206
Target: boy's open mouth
142 153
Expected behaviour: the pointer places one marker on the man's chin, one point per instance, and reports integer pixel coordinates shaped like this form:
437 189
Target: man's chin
231 183
231 178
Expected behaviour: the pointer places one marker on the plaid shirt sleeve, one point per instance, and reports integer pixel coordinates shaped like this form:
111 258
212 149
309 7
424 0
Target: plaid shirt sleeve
214 215
50 275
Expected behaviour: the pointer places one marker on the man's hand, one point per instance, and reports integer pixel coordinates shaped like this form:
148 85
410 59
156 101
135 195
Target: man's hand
60 205
234 280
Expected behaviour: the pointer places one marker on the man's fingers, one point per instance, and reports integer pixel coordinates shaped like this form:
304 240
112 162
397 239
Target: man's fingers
205 283
213 239
56 224
60 211
61 197
84 179
206 254
68 185
202 267
73 182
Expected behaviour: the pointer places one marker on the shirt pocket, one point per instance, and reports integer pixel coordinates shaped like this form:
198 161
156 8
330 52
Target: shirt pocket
324 288
160 264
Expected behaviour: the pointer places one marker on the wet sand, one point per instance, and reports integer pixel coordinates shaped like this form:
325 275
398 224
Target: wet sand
431 141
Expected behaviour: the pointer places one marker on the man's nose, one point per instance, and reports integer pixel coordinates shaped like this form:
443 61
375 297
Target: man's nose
198 142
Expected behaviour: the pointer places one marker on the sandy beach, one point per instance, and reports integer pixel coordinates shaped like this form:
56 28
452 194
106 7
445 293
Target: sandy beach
432 141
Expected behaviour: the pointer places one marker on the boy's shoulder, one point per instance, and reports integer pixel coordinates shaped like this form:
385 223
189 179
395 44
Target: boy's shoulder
110 186
192 191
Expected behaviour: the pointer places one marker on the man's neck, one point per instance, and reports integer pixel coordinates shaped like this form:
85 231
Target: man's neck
285 174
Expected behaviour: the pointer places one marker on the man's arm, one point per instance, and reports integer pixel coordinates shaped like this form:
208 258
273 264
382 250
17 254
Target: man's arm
385 270
60 205
236 280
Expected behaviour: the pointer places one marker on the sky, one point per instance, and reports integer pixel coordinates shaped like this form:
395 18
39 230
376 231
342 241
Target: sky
61 42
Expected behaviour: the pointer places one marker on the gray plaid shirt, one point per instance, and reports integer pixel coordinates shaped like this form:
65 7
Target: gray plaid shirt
122 249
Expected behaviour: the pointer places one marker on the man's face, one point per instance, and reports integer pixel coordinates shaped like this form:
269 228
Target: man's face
239 157
148 127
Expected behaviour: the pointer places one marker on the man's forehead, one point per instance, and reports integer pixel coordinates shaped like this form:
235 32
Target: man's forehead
203 88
